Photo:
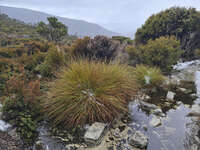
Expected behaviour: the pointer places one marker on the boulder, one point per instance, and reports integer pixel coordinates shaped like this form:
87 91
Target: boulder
94 133
138 140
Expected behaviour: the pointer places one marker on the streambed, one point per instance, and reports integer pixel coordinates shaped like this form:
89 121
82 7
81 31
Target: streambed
177 130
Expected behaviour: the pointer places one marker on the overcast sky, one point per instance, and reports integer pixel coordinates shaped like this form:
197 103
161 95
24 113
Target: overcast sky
116 15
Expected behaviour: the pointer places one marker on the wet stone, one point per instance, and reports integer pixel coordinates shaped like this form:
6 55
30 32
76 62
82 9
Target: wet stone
111 148
170 95
40 146
138 140
147 106
155 121
94 133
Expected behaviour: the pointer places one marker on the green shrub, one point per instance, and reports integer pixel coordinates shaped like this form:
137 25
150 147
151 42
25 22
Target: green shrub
22 106
32 61
52 62
162 52
148 77
20 115
89 91
184 23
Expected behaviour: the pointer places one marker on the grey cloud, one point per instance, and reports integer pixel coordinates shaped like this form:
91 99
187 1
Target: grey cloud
117 15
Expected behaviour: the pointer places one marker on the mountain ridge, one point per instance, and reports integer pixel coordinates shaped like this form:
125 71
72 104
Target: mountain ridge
75 27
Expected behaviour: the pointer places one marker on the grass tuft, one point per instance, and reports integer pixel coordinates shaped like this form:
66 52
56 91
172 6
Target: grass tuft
89 91
148 77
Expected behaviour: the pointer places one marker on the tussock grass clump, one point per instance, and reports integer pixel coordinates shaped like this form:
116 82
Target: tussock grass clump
148 76
89 91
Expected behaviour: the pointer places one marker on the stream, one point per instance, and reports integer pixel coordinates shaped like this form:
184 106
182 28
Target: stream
176 131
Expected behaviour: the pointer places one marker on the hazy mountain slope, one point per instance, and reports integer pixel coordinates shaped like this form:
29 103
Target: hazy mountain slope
79 27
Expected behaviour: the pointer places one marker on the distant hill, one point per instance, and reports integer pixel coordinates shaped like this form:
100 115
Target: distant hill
76 27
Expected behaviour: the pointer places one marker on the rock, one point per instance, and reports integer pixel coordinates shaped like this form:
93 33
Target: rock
186 91
145 127
40 146
74 147
195 108
170 95
158 112
195 111
39 76
178 103
147 106
138 140
182 89
4 126
9 143
13 133
155 121
194 95
117 133
94 133
197 139
167 104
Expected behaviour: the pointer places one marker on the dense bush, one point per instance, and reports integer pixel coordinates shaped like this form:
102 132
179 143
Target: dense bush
86 92
123 39
100 47
79 47
21 107
181 22
162 52
148 77
19 114
54 60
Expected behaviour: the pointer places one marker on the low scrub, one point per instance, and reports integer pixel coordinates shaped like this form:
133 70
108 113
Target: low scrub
52 62
148 77
89 91
21 107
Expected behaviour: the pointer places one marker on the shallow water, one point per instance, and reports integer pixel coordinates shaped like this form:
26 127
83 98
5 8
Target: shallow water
176 130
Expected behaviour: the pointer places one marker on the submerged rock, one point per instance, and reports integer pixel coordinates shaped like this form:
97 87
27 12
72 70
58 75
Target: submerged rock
94 133
155 121
138 140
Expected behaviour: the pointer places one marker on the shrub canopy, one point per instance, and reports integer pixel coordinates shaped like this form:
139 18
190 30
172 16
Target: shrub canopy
181 22
162 52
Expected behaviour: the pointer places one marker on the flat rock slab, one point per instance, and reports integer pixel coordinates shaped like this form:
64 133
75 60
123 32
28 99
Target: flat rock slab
95 132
